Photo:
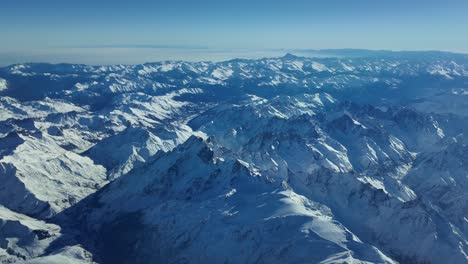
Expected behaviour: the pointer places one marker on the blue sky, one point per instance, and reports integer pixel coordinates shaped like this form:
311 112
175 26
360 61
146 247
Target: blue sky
105 31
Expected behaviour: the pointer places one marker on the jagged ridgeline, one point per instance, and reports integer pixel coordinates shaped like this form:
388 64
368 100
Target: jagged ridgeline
355 157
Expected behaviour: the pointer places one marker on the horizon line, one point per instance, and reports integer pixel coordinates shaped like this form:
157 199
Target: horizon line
285 51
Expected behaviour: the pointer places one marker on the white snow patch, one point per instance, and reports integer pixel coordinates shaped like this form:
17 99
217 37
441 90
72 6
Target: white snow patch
319 66
3 84
222 73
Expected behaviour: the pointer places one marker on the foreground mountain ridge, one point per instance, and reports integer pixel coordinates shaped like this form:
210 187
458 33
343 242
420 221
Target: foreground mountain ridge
358 159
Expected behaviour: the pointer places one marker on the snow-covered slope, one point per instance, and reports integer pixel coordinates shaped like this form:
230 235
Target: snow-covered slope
357 159
133 146
41 179
189 202
22 237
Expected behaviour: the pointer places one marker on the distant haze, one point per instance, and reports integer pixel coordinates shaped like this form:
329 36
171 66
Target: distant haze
110 32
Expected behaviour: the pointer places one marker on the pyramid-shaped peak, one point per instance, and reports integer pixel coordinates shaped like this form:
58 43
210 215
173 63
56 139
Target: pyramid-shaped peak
290 56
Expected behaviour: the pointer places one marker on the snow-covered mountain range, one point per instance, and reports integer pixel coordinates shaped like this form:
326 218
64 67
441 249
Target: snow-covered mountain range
359 158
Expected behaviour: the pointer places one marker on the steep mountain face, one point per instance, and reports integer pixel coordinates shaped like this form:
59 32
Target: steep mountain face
441 178
124 151
23 237
201 200
42 179
360 159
